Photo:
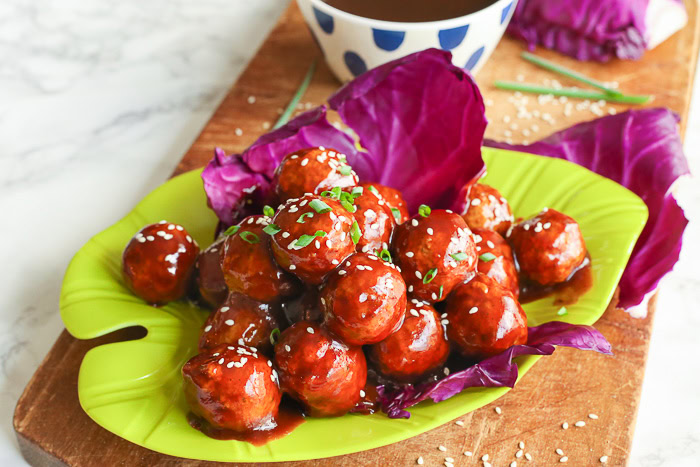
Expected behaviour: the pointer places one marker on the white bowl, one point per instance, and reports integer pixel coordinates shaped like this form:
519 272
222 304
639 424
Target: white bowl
352 44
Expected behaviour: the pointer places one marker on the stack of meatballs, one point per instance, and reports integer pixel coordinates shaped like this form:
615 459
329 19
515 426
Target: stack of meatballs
340 278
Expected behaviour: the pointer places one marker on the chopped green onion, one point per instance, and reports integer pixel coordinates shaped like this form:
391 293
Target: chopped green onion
486 257
572 92
551 66
342 157
562 311
271 229
345 169
374 190
429 276
424 210
397 214
269 211
305 240
347 201
274 336
319 206
385 255
441 290
355 232
249 237
357 191
461 256
292 106
304 216
232 230
333 193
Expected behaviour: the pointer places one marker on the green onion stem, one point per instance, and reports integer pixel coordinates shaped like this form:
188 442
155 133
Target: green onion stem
287 114
571 92
551 66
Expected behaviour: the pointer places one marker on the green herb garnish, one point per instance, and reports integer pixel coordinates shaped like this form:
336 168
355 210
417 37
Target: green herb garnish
486 257
385 255
232 230
249 237
291 107
347 201
562 311
333 193
271 229
355 232
429 276
304 216
397 214
551 66
461 256
357 191
269 211
305 240
374 190
572 92
274 336
424 210
319 206
345 169
441 289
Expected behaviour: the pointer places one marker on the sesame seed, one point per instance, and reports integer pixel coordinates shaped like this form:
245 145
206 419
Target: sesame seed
224 309
580 423
189 239
448 464
238 132
519 454
414 313
414 223
564 459
498 410
287 348
528 456
310 330
410 288
473 310
449 459
476 202
565 426
521 445
229 365
285 234
266 125
409 254
342 272
468 453
446 371
419 275
292 267
221 360
603 459
317 244
150 238
485 457
362 393
593 416
419 461
335 261
514 464
442 448
444 322
490 244
459 423
229 322
559 451
251 99
304 162
208 328
434 297
430 231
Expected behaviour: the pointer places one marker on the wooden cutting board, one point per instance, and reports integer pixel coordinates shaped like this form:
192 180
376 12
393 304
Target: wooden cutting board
53 430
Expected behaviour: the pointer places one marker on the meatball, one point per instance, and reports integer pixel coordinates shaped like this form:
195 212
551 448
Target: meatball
548 247
393 199
210 278
232 388
314 235
364 300
484 319
248 265
435 252
496 259
324 374
158 262
312 170
485 208
416 349
376 221
242 321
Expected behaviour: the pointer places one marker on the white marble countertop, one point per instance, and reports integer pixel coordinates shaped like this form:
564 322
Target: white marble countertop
98 102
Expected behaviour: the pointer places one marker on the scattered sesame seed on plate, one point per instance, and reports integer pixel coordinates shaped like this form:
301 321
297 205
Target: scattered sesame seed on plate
564 459
468 453
442 448
580 423
528 456
498 410
593 416
559 451
521 445
565 426
449 459
485 457
419 461
459 423
603 459
238 132
514 464
448 464
519 454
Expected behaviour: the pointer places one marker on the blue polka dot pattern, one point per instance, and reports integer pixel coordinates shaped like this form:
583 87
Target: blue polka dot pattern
354 62
451 38
324 20
388 40
504 13
474 59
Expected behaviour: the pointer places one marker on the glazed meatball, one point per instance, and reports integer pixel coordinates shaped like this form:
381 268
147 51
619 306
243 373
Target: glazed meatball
496 259
248 265
158 262
393 199
243 321
313 236
485 208
305 307
364 300
418 348
312 170
484 319
548 247
322 373
375 219
210 278
435 253
232 388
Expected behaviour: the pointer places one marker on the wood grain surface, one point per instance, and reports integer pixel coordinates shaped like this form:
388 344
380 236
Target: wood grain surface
53 430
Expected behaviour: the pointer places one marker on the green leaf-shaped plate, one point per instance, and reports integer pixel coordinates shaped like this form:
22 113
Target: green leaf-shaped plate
133 389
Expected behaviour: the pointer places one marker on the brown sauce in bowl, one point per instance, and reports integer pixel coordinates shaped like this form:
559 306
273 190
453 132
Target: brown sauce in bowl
410 11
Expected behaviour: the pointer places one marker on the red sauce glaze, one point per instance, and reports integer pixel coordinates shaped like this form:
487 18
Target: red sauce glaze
242 321
502 269
363 301
306 307
376 222
322 373
298 219
425 243
418 348
312 170
393 199
158 262
369 400
484 319
548 247
288 418
485 208
248 265
210 278
565 293
233 388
